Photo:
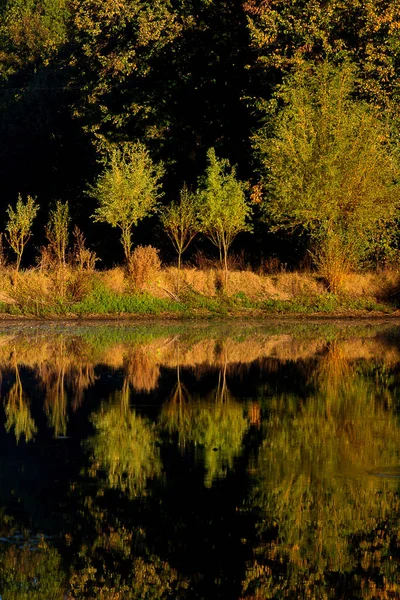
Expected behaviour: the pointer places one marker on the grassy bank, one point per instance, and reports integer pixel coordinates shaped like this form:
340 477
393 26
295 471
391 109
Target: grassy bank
201 293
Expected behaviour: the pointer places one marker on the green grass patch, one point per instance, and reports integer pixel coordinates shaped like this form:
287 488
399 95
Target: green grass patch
102 301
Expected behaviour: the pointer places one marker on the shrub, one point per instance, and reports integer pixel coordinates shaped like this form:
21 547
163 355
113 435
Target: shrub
144 266
81 257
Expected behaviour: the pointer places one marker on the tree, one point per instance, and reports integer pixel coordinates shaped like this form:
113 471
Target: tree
330 169
223 210
180 222
127 190
19 225
285 34
31 33
57 231
117 43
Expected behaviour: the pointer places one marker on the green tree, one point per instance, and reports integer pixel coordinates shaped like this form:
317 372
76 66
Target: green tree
285 34
127 190
19 225
180 222
223 209
118 42
330 169
31 32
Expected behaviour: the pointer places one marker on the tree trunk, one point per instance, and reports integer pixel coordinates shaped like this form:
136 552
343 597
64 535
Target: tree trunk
126 240
226 265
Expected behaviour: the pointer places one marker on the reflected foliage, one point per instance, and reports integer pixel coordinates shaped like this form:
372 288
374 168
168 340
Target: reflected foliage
30 568
324 520
214 426
17 410
124 446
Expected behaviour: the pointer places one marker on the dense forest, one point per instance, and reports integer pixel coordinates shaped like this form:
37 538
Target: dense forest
294 103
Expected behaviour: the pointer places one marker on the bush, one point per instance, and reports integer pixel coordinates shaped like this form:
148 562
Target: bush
144 266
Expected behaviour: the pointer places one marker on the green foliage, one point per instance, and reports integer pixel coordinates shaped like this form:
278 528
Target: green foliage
329 166
31 31
19 225
214 426
127 190
285 34
118 42
17 411
321 513
222 207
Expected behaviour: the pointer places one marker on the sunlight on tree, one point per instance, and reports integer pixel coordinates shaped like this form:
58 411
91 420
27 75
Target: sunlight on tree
223 211
19 226
180 221
127 190
330 168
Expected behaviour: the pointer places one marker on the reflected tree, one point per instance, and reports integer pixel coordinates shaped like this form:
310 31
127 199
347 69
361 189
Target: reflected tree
31 570
325 519
124 446
215 425
17 409
56 399
141 369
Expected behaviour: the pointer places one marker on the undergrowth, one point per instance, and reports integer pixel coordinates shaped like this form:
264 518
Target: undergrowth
110 293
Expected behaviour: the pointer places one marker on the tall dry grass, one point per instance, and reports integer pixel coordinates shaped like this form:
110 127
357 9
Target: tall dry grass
39 289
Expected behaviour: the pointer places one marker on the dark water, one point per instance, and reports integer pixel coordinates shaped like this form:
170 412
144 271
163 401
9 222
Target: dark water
200 462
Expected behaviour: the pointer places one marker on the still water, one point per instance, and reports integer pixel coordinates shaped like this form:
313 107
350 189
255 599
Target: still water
200 462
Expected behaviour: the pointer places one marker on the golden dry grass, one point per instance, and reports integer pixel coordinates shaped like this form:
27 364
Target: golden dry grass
297 284
114 280
203 281
42 288
208 282
376 286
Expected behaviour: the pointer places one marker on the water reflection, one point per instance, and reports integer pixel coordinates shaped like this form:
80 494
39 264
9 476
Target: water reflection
125 445
170 464
320 516
17 408
213 423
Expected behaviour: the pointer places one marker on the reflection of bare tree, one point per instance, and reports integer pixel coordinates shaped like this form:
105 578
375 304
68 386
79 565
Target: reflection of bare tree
53 378
124 445
222 392
17 409
80 377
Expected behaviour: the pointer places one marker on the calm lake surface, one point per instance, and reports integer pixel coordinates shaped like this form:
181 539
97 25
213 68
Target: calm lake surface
232 461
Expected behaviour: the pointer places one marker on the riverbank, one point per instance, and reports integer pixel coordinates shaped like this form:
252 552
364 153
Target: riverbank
198 294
